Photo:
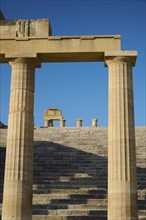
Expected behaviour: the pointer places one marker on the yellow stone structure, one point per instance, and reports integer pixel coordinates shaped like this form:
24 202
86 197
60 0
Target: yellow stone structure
24 45
53 114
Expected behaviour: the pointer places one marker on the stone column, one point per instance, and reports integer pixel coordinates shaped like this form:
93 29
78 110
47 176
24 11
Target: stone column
122 183
62 123
46 124
17 198
94 123
79 123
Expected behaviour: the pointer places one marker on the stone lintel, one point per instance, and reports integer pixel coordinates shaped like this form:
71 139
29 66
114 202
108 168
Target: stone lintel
120 55
69 49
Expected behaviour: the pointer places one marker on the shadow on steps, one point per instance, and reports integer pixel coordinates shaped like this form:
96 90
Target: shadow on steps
81 176
63 161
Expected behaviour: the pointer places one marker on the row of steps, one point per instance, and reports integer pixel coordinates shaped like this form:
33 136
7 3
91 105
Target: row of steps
70 173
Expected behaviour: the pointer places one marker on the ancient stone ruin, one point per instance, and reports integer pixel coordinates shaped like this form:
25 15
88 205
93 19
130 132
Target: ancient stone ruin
53 114
25 44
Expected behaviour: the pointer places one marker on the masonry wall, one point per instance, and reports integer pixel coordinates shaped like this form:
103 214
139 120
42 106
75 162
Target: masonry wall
70 172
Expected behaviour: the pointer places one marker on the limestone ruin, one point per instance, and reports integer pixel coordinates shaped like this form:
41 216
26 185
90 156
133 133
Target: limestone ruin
25 44
53 114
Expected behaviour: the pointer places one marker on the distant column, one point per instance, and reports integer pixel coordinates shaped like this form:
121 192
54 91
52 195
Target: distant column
122 183
62 123
46 124
17 198
94 123
79 123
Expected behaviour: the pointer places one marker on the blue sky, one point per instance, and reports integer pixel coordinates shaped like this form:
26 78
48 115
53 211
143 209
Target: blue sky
80 90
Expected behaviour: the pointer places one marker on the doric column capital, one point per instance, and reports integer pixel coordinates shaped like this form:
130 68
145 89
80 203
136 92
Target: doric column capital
34 62
112 57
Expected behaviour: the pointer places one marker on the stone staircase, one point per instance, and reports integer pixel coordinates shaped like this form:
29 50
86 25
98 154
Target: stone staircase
70 173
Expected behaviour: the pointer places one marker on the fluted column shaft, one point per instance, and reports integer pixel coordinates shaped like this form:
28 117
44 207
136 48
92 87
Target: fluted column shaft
122 184
17 199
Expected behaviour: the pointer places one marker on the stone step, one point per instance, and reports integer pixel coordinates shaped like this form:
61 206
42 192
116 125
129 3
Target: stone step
69 185
55 175
75 169
63 185
98 165
68 177
86 169
95 150
59 178
66 206
89 190
75 195
71 212
62 176
71 179
40 217
65 199
66 163
70 143
62 160
71 155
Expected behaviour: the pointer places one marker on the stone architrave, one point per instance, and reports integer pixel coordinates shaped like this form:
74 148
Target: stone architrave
122 183
17 198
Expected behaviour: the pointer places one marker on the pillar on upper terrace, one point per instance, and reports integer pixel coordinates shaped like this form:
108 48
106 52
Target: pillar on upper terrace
122 183
17 197
79 123
94 122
